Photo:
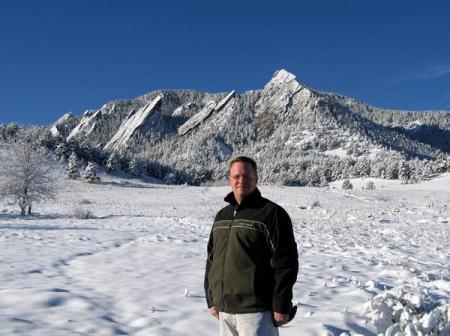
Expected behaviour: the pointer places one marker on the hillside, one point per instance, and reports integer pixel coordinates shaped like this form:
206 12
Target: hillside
299 135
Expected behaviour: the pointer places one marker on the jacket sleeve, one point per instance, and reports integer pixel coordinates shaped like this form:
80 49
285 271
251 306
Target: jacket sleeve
284 261
210 249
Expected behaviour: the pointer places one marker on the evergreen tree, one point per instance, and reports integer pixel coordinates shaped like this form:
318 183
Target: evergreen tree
12 130
391 170
72 168
90 174
61 150
404 172
426 171
134 167
361 168
442 164
113 163
323 181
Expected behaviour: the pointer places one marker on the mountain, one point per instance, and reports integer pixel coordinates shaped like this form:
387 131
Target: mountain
289 128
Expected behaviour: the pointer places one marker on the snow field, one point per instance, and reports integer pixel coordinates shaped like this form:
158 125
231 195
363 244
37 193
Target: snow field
136 267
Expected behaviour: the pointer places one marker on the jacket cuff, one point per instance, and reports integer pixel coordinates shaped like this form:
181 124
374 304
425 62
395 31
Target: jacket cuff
282 307
208 300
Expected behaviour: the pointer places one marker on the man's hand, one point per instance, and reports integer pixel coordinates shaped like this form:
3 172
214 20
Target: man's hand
280 319
214 312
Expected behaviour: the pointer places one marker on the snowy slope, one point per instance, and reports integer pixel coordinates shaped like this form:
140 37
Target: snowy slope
137 266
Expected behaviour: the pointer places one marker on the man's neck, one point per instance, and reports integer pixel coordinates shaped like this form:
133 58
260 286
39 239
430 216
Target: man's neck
238 199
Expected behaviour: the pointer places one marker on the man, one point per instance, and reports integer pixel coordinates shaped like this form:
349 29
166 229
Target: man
252 260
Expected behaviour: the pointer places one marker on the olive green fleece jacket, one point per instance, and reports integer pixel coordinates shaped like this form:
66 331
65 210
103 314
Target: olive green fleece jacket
252 259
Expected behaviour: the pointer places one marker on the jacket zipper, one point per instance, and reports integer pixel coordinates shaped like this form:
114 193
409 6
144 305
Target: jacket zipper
226 250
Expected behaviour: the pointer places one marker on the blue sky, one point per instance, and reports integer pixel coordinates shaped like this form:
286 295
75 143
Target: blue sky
60 56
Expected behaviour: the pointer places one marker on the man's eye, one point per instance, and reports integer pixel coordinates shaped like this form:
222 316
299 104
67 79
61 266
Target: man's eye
238 177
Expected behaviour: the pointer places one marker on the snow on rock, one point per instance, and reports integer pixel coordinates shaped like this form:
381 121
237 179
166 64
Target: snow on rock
220 105
181 110
204 114
197 118
408 312
86 125
134 121
63 125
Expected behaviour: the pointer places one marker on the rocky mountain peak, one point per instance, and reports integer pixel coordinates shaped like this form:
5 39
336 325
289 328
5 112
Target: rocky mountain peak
282 77
280 94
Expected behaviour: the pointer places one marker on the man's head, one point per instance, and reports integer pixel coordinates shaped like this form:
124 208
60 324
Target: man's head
242 177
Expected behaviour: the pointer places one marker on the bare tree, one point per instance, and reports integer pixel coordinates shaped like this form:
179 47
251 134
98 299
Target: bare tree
24 172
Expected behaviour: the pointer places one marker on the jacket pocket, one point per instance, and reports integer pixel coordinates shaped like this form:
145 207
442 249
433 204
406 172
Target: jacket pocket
240 281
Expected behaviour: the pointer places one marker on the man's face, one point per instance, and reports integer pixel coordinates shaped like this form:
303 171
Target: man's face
242 179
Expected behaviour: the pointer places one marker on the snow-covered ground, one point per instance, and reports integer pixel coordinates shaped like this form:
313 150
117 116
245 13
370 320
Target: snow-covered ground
136 266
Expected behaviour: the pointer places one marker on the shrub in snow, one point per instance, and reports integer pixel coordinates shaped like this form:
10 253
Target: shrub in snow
347 185
370 186
314 204
408 313
82 213
90 174
72 168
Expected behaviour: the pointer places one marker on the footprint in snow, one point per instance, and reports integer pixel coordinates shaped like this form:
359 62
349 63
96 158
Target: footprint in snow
156 310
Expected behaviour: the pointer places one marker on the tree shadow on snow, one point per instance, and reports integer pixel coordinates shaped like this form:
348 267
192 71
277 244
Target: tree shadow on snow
119 216
336 330
359 330
43 227
34 216
127 184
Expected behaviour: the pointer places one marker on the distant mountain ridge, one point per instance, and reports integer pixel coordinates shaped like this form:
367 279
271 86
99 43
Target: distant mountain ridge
283 125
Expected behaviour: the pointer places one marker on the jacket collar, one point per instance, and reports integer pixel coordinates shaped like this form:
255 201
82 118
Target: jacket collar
253 199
